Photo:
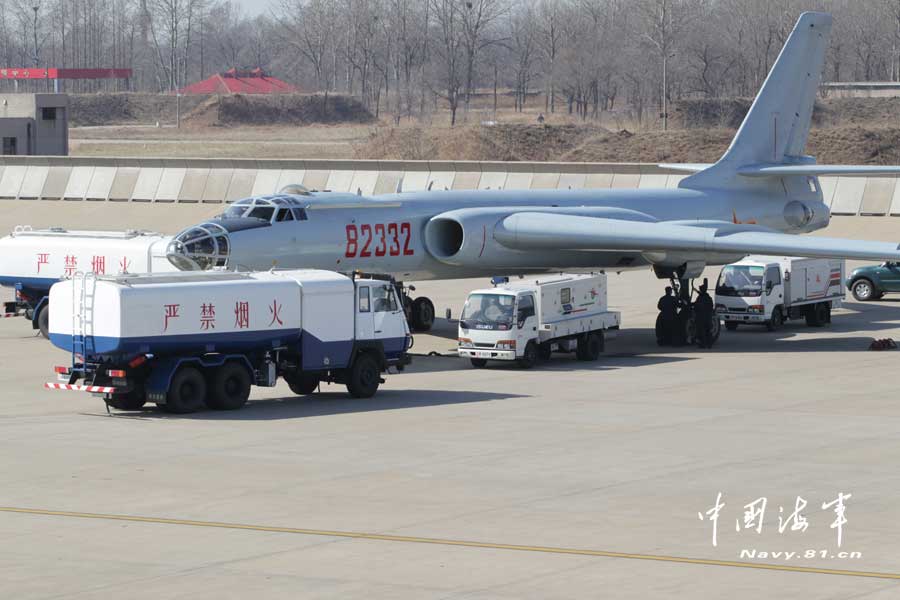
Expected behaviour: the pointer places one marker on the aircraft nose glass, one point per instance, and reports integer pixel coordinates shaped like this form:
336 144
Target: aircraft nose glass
200 248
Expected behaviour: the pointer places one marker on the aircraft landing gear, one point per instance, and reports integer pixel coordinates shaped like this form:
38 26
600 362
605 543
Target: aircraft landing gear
681 329
419 311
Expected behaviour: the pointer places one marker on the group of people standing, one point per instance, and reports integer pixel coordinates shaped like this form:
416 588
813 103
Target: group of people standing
676 312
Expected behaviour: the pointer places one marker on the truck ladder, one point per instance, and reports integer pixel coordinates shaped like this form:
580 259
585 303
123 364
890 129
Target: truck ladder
83 286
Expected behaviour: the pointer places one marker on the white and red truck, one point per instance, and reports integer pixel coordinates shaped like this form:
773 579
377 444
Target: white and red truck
769 290
527 320
192 339
32 260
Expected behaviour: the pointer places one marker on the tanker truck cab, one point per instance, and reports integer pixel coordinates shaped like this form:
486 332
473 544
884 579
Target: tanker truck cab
194 339
528 320
769 290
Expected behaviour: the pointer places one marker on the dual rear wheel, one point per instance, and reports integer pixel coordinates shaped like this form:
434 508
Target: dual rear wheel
228 388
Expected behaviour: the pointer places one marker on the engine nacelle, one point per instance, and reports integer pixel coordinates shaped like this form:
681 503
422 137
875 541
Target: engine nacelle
461 237
466 237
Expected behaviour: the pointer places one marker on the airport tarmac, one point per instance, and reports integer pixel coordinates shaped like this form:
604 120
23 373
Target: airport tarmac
569 481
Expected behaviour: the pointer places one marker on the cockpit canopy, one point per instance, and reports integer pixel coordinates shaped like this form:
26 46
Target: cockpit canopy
278 208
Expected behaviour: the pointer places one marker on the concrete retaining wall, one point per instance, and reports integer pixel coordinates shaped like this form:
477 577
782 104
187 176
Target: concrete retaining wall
220 180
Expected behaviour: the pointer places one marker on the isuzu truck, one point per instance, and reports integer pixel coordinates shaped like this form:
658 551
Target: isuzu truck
32 260
194 339
526 321
769 290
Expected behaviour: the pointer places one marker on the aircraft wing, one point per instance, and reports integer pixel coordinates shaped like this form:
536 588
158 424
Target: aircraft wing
685 167
549 231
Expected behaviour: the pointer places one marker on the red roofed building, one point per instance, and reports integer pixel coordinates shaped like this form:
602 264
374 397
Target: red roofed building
233 81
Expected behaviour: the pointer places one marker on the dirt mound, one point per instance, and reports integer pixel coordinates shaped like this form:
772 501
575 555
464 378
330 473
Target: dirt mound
688 145
127 108
728 113
293 109
840 145
505 142
856 146
869 112
724 113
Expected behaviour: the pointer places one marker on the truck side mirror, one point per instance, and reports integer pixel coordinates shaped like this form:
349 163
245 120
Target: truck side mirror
769 286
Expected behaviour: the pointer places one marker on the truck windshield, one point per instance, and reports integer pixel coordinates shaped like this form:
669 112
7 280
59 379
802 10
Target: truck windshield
489 311
740 280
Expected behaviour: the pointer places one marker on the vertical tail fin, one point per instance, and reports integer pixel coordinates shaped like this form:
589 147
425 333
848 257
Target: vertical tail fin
776 128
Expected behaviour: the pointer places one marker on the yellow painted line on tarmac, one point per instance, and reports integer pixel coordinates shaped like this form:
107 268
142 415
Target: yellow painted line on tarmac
450 542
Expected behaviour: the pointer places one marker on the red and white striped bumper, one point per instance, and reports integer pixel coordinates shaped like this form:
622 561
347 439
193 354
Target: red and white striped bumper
94 389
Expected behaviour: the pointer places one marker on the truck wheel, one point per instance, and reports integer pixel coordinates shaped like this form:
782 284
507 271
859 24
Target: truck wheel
816 315
230 387
590 346
731 325
863 290
776 320
43 321
422 314
303 385
133 400
545 351
365 375
187 392
529 357
478 363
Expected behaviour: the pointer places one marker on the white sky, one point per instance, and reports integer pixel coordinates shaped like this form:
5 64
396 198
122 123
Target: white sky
254 7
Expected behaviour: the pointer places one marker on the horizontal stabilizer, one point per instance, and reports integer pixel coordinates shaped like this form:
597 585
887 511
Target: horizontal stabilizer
813 170
543 231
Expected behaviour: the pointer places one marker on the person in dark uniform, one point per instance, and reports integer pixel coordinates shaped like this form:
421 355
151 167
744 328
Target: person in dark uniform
668 318
704 311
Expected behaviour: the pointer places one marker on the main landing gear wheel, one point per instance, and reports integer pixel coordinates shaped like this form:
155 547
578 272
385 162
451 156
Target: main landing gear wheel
187 392
230 387
660 333
422 314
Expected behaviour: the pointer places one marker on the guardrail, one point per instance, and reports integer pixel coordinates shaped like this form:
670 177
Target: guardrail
225 180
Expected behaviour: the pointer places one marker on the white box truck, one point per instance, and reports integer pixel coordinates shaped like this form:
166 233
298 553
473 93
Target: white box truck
526 321
185 340
769 290
32 260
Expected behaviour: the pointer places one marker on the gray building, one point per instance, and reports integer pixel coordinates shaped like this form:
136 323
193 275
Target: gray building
34 124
